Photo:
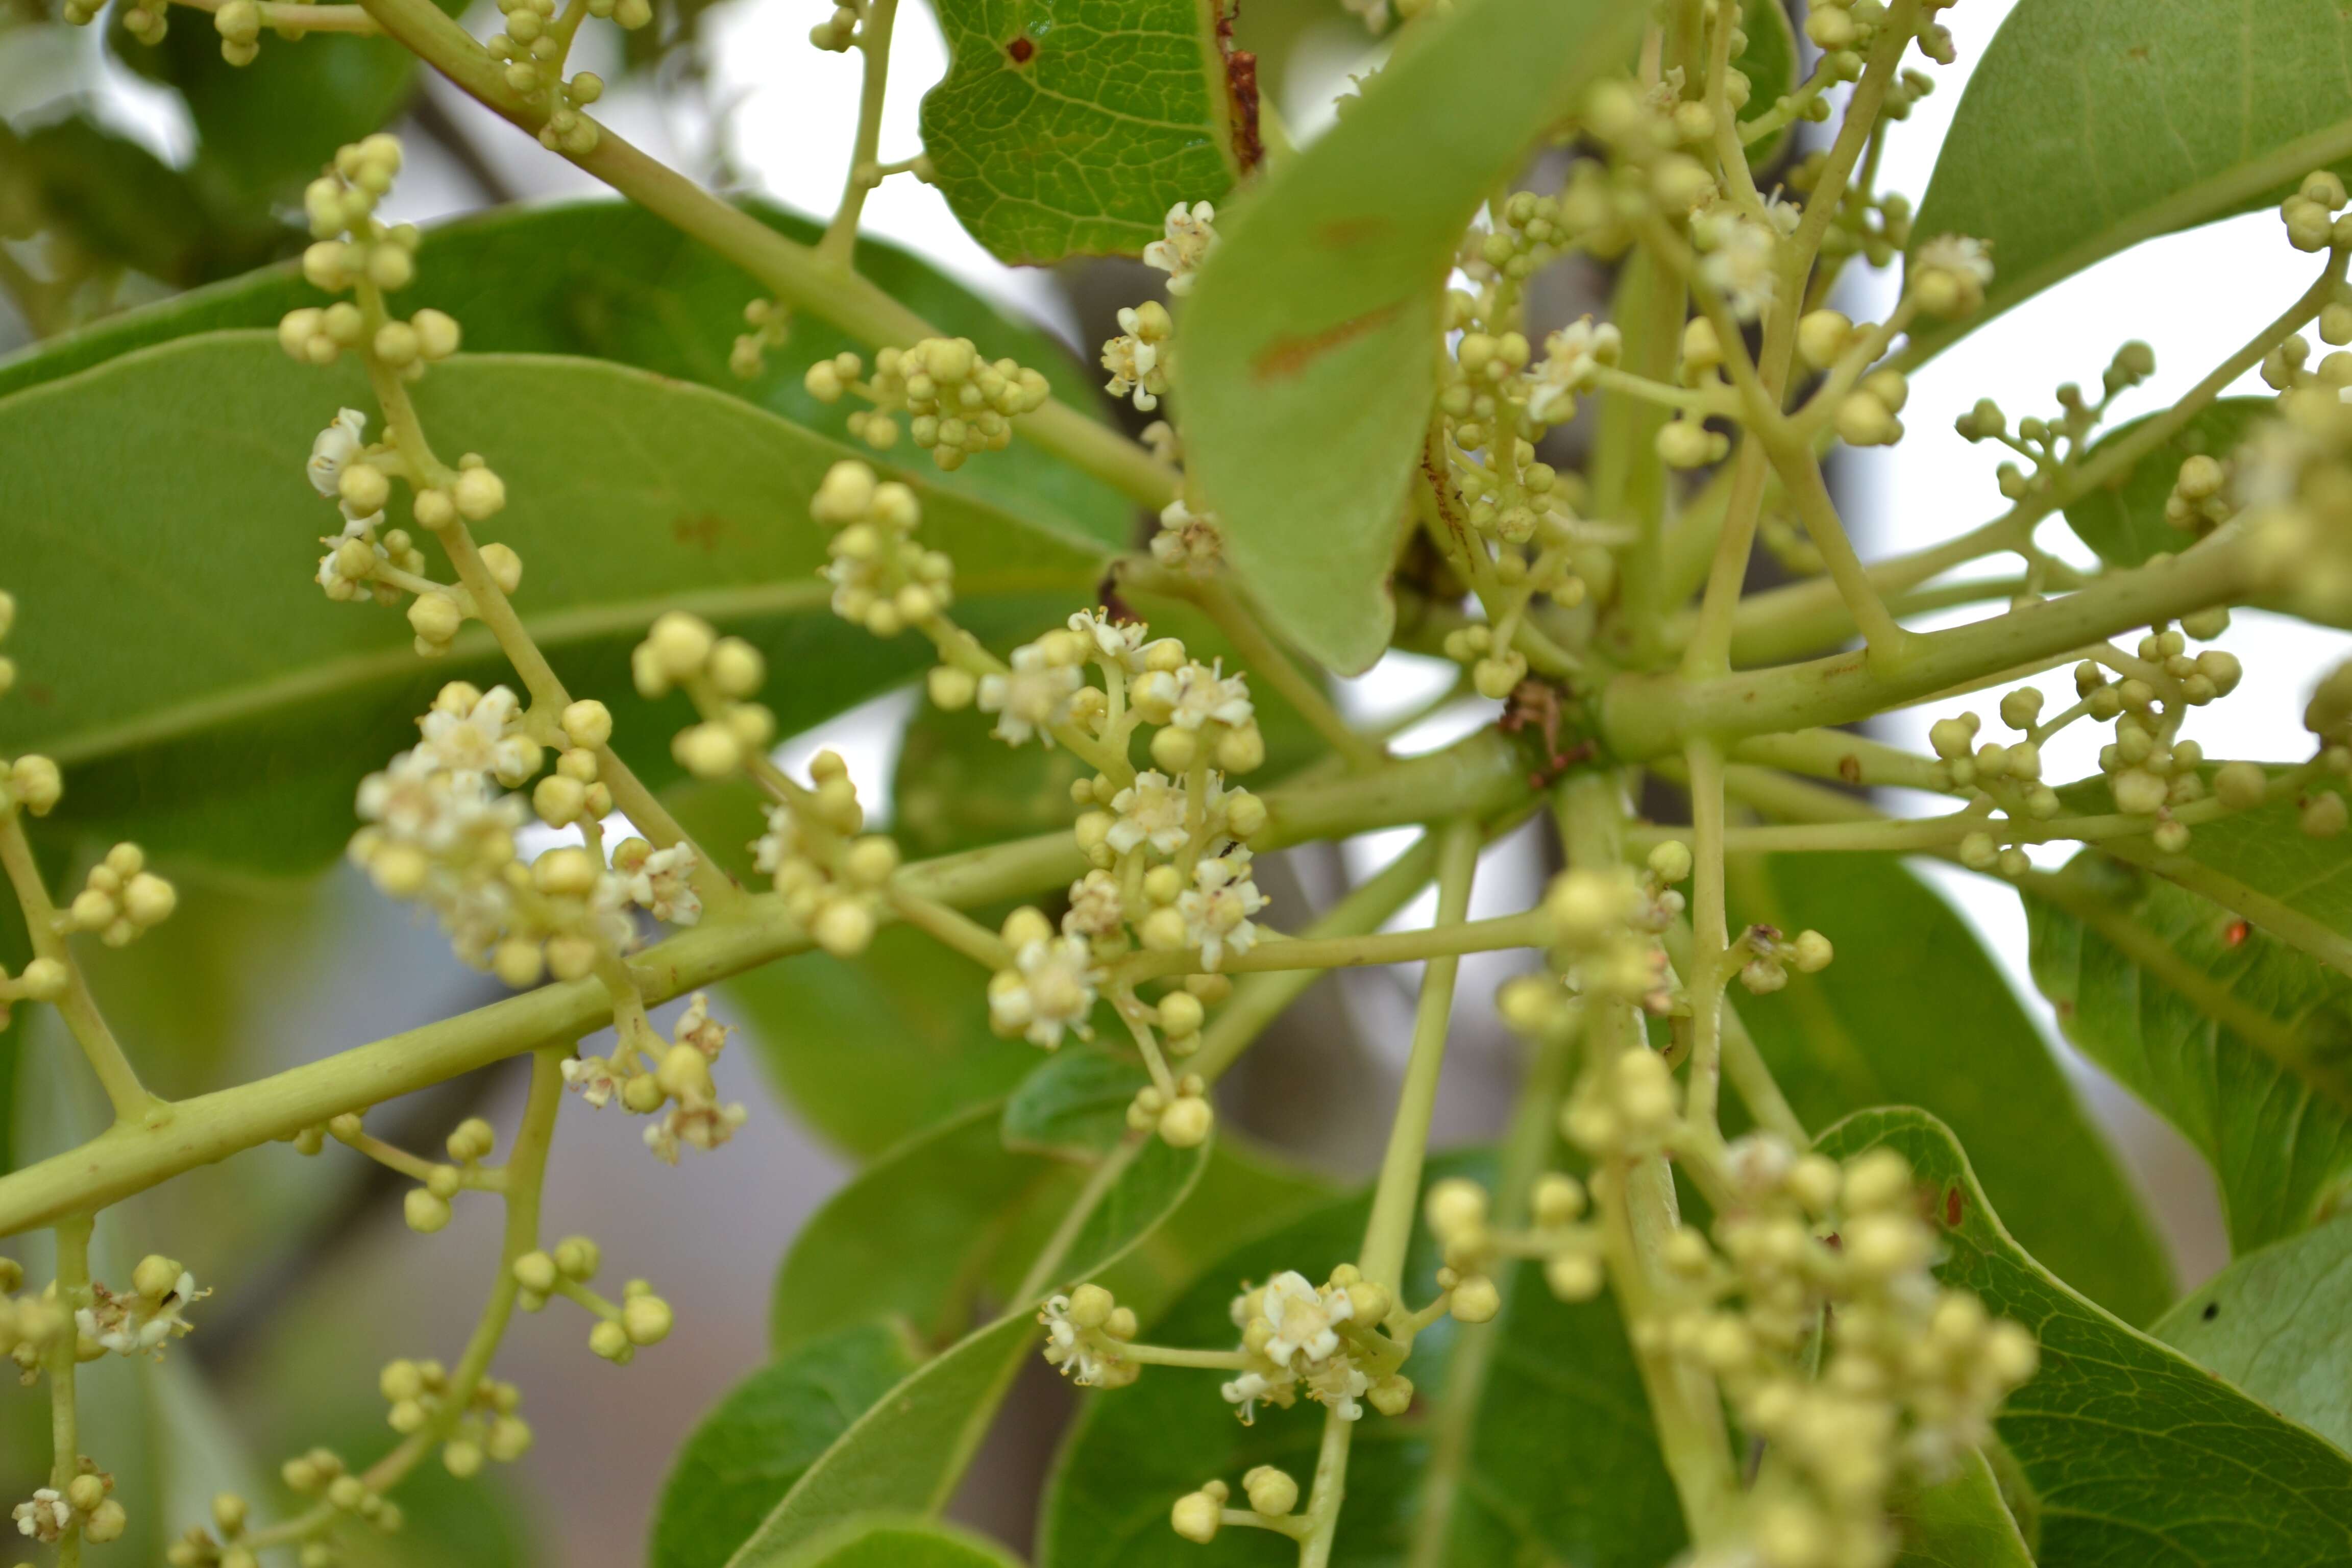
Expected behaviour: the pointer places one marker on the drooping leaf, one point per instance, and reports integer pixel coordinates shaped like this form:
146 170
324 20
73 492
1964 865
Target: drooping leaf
2136 1453
907 1453
1307 354
892 1543
749 1451
610 280
1856 1035
912 1234
2088 126
2123 521
2201 1015
204 695
1591 1491
871 1049
1070 127
2278 1323
1959 1523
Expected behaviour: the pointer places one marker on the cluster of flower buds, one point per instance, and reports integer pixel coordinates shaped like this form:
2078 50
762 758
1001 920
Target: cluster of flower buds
1272 1494
831 874
439 831
1139 357
1457 1211
1603 925
120 899
640 1319
1187 236
1327 1342
198 1548
574 793
322 1474
419 1394
771 326
1186 540
720 675
1049 989
144 1318
882 579
1765 956
674 1084
1910 1371
86 1505
838 33
957 402
532 47
1085 1332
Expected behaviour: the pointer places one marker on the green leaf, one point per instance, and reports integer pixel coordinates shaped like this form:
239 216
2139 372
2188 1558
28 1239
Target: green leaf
2137 1454
2199 1014
872 1048
206 697
1856 1036
887 1542
1073 1103
2124 521
1308 349
1769 64
2278 1323
912 1234
1070 127
610 280
2088 126
1242 1192
1563 1466
1959 1523
744 1456
114 202
908 1451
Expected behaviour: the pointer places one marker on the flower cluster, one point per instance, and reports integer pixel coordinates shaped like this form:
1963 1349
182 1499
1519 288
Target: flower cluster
830 873
419 1394
882 579
1138 358
638 1319
1187 237
29 1325
144 1318
198 1548
956 402
439 831
674 1084
85 1505
1085 1332
719 675
531 46
120 899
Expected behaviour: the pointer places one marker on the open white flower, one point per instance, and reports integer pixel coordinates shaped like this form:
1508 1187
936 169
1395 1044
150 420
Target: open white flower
1031 698
46 1518
1114 642
1076 1353
1098 908
1304 1320
480 734
1570 356
1149 811
1049 990
335 449
1218 906
663 884
1738 260
134 1324
1189 239
703 1127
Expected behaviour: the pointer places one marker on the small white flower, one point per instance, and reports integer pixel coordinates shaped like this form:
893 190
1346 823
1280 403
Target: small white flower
1137 359
1114 642
130 1324
334 450
1068 1347
1570 356
1149 811
1304 1320
1031 698
595 1078
1049 990
1738 260
663 885
1186 538
1957 253
1339 1385
417 801
46 1518
1098 908
703 1127
1198 694
484 738
697 1028
1218 906
1189 239
1245 1391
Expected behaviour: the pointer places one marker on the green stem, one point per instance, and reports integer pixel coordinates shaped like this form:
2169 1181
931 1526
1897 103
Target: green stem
130 1099
1704 981
63 1360
1438 944
797 275
840 237
1397 1193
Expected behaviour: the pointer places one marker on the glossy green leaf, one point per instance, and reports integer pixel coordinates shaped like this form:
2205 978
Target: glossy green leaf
1307 351
744 1456
872 1048
1856 1036
2176 1012
2089 126
912 1234
2278 1323
1070 127
204 696
1563 1466
115 203
2136 1454
610 280
888 1542
1959 1523
1769 64
907 1453
2124 521
1073 1102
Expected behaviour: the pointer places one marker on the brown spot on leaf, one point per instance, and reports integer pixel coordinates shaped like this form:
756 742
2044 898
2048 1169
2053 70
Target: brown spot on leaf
1347 233
1020 51
702 531
1849 768
1954 1205
2234 934
1240 88
1290 356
